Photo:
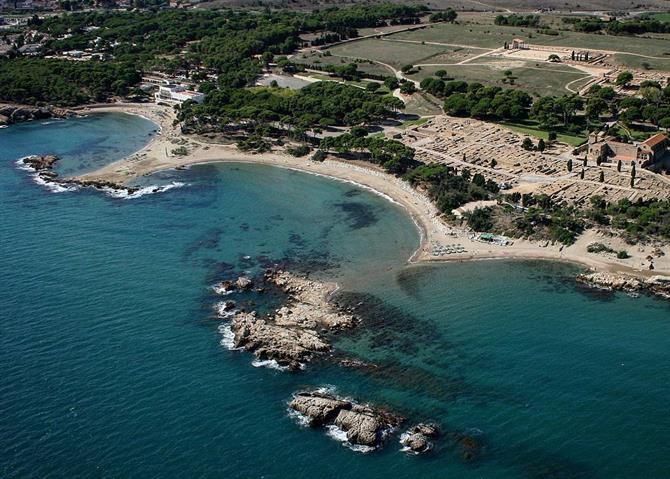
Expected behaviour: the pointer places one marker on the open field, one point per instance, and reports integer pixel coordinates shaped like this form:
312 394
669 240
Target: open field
422 104
492 36
319 58
633 61
476 35
393 53
539 79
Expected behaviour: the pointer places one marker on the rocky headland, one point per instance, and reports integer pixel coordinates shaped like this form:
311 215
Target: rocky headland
658 285
11 113
43 166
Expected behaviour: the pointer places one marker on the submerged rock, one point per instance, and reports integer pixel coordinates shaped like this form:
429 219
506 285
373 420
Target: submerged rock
363 425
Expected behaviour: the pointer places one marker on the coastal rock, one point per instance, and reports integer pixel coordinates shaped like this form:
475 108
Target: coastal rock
41 164
244 283
658 285
290 347
363 425
416 438
318 408
10 113
291 335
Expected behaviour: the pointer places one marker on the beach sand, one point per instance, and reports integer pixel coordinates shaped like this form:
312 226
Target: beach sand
157 155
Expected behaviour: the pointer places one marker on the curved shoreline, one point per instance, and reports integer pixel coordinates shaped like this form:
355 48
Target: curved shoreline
156 156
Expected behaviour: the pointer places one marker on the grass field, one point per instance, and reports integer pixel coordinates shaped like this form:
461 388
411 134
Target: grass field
492 36
546 79
661 17
321 59
532 129
476 35
423 104
393 53
632 61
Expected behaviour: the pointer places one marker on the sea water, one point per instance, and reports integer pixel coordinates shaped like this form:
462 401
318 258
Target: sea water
113 363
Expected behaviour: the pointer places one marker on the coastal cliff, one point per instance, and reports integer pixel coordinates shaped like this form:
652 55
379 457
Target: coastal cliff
11 113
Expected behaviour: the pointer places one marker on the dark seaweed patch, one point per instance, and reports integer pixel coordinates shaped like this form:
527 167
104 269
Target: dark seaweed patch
358 215
209 240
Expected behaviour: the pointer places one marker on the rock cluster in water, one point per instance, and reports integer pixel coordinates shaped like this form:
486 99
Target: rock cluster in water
417 438
293 334
658 285
363 425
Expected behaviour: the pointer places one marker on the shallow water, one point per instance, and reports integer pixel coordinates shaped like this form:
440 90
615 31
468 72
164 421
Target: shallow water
113 367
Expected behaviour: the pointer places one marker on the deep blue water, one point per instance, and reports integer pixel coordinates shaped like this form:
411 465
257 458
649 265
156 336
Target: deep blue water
112 364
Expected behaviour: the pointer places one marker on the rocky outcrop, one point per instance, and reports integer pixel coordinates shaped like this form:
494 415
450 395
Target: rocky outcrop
41 163
244 283
43 166
658 285
10 114
319 409
294 333
363 425
289 346
416 439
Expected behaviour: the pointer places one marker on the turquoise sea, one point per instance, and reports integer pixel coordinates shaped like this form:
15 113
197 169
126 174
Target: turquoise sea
112 364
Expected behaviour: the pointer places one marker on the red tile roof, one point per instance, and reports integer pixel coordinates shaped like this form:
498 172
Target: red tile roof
654 140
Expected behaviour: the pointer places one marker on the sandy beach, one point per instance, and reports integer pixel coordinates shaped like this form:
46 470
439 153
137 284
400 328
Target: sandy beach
158 155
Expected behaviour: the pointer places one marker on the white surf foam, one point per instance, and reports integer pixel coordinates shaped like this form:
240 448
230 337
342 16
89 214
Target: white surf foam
268 363
227 337
339 435
52 186
301 419
222 312
123 193
219 289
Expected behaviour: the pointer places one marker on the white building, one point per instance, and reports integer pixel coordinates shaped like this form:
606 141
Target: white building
177 94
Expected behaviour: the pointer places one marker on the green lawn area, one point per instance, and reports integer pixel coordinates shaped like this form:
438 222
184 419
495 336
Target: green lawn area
661 17
408 123
535 78
532 129
633 61
363 65
476 35
393 53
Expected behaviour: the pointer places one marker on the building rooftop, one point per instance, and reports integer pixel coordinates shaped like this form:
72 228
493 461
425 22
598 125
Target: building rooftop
655 140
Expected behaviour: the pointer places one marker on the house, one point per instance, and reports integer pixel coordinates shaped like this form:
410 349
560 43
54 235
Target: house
177 94
654 148
607 148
